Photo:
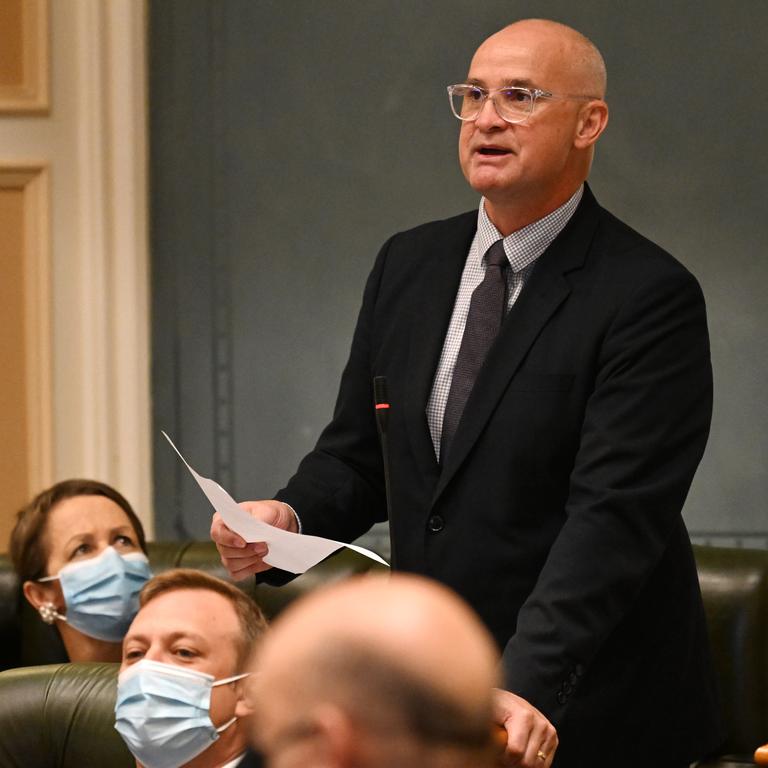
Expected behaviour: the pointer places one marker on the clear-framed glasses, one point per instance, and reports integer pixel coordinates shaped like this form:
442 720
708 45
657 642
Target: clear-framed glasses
513 103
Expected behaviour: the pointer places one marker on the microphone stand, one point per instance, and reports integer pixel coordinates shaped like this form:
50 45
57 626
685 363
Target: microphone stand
381 404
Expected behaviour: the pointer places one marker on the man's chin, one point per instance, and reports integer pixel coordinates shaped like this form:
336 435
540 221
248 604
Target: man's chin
486 179
493 189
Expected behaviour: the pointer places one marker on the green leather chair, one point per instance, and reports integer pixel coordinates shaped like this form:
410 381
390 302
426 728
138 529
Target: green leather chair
734 584
52 716
60 716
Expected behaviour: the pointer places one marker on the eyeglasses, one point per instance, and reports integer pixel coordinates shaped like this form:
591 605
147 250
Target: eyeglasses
512 103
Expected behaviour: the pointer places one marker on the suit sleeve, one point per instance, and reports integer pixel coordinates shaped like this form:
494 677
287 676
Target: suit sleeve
338 489
644 431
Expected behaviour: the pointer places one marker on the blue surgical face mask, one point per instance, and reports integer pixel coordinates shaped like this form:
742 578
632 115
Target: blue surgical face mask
102 593
162 712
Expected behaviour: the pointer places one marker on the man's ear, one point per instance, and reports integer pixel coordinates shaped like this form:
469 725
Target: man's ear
337 737
245 697
592 121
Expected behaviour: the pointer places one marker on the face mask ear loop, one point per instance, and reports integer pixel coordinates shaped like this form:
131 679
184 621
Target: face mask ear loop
230 679
225 681
48 578
226 725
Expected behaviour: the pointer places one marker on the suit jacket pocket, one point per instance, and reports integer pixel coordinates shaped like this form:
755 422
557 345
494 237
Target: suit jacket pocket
525 381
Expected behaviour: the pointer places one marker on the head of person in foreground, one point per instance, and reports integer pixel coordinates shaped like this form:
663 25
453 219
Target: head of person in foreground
181 690
376 671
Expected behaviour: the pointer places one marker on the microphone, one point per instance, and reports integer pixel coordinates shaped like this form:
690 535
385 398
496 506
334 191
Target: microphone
381 405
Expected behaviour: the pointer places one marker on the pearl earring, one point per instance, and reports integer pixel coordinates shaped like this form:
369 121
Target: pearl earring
48 613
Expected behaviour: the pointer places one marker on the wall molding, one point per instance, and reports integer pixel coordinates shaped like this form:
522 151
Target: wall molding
31 178
738 539
113 260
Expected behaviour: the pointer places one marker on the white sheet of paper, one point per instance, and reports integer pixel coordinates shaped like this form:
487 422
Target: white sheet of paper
292 552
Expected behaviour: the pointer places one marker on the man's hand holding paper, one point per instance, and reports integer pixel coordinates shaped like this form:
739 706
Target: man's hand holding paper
269 527
239 557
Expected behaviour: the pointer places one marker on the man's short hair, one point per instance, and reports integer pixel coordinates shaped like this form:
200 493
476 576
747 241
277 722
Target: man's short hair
404 703
253 624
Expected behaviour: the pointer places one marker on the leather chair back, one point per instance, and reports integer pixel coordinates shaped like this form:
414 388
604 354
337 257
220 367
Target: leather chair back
734 585
60 716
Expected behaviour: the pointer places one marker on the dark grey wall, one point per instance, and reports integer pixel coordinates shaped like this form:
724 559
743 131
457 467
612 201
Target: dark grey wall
290 138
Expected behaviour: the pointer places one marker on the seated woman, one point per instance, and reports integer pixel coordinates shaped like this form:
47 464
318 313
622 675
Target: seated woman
79 551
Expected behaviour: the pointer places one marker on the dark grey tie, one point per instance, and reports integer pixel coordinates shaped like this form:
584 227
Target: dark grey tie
486 311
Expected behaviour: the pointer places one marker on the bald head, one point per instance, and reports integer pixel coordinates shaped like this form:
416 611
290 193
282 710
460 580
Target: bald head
401 658
580 63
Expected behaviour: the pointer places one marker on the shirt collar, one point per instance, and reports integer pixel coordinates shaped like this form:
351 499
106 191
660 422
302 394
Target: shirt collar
235 762
527 244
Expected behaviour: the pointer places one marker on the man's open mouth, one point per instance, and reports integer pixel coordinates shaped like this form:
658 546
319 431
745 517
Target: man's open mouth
493 151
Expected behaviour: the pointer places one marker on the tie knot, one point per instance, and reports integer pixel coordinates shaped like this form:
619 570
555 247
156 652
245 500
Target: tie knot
495 256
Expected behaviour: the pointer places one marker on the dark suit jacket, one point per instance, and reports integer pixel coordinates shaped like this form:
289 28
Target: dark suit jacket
557 511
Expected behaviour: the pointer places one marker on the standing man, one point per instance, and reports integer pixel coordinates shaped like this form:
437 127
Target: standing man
550 388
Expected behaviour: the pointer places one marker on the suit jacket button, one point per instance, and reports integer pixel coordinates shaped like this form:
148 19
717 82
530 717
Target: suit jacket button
573 678
561 697
435 523
567 688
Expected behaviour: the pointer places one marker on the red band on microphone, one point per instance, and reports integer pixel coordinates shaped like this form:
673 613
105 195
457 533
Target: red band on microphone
379 406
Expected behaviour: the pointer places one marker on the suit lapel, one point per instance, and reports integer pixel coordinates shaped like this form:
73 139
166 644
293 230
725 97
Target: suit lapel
544 292
440 275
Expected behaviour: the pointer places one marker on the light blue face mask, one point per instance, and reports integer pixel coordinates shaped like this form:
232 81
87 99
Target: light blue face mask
162 712
102 593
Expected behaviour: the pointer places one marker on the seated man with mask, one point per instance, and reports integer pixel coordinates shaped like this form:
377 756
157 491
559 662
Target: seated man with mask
377 672
181 690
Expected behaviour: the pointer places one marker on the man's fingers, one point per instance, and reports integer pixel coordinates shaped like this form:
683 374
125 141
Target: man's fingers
223 536
531 738
542 743
549 747
519 731
531 741
258 548
244 571
243 559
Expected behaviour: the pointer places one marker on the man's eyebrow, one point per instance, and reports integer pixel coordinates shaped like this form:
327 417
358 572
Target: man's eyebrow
171 637
136 637
184 634
519 82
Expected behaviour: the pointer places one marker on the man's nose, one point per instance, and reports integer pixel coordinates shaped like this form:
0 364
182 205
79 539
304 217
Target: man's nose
488 117
155 652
